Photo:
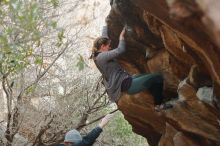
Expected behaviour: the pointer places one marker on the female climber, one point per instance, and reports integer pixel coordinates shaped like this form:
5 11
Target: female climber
116 80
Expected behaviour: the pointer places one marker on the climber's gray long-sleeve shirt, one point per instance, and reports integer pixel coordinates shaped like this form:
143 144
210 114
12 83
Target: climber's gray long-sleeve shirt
114 74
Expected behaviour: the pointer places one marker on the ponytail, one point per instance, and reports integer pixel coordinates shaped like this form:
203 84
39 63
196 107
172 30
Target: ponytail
97 44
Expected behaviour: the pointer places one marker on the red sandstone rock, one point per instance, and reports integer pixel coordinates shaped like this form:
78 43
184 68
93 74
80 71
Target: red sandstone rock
180 47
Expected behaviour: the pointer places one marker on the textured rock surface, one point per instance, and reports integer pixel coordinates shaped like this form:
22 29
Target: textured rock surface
180 39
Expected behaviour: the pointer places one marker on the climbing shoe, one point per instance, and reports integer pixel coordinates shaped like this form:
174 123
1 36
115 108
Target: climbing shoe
163 106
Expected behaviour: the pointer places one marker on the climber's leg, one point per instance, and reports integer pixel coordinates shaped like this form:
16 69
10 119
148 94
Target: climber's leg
152 82
157 91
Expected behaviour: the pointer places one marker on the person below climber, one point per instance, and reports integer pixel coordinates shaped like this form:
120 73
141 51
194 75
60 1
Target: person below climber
73 137
116 80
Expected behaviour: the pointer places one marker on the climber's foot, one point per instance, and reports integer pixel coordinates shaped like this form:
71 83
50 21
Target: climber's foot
163 106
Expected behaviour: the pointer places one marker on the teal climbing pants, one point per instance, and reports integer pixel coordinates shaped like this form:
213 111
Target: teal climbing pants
151 82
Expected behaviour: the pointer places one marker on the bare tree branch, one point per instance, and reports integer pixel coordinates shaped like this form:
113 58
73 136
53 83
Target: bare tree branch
38 139
44 72
93 121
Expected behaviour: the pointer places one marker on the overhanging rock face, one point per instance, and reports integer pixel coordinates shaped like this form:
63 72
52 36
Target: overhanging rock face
180 39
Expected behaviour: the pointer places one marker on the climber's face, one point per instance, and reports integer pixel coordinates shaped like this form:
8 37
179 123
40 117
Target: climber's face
105 47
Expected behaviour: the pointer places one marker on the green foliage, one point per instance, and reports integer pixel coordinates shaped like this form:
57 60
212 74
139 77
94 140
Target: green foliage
54 24
122 128
121 132
38 60
81 64
23 25
31 89
60 36
55 3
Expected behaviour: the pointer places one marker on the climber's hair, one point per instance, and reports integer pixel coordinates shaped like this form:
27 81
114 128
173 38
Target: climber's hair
97 45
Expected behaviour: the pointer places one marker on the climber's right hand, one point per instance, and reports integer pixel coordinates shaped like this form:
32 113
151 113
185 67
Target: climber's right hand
122 34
